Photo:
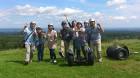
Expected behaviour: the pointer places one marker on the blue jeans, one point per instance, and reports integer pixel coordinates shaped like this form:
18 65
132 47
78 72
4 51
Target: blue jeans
52 54
79 46
78 52
40 49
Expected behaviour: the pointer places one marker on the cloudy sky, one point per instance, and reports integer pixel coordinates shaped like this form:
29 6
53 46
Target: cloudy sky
110 13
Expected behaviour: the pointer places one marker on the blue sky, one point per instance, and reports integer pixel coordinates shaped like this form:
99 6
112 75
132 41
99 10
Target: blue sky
110 13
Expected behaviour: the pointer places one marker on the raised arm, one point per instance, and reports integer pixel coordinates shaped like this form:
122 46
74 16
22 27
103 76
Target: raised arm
25 28
100 28
70 25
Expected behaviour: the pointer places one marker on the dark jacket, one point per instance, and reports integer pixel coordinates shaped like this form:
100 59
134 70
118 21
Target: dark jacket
66 34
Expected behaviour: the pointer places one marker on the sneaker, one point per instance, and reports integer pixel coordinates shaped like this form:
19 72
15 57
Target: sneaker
54 61
100 60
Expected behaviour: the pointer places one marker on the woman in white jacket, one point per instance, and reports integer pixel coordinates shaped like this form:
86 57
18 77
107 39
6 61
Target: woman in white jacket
52 37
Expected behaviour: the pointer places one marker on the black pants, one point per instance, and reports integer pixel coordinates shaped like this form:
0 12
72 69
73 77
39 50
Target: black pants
40 49
78 52
52 54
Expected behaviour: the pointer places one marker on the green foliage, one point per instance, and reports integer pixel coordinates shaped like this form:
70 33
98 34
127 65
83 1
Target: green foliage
10 41
11 65
119 35
13 41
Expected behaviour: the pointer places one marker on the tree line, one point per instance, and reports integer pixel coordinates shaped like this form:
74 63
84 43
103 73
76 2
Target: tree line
14 40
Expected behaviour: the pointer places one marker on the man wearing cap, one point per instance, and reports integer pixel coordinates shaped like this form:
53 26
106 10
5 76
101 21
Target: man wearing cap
95 31
52 37
66 35
30 36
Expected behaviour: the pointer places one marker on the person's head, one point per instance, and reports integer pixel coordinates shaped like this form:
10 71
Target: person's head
50 27
79 24
64 24
92 23
39 30
86 24
32 25
73 23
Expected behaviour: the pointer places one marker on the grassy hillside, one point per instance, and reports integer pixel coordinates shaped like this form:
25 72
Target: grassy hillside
11 65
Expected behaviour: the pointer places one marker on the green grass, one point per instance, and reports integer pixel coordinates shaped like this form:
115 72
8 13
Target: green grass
11 65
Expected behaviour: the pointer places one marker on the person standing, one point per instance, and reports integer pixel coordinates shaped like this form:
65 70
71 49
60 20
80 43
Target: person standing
66 35
87 31
95 38
79 40
40 43
52 37
30 36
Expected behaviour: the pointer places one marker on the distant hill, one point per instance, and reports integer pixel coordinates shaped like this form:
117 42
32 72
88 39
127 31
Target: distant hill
13 30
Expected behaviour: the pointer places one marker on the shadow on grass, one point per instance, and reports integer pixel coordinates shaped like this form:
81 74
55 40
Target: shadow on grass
114 59
16 61
63 63
74 65
109 58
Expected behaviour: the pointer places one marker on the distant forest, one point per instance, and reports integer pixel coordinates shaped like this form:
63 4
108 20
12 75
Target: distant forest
15 39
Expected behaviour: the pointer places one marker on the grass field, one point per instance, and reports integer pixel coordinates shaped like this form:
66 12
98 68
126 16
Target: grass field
11 65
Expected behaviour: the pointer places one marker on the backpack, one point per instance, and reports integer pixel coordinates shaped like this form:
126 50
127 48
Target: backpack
23 42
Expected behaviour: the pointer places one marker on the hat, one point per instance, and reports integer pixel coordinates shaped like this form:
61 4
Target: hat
39 28
50 24
33 22
86 21
63 23
91 20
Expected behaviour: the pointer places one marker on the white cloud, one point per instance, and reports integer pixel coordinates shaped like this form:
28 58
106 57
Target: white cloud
98 14
4 13
51 10
118 17
132 9
52 14
133 17
116 2
122 7
124 10
68 11
123 18
31 10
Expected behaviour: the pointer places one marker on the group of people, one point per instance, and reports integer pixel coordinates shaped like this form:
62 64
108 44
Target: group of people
75 32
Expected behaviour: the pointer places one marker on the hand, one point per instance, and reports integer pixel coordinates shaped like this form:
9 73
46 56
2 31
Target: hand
66 17
100 27
26 24
25 27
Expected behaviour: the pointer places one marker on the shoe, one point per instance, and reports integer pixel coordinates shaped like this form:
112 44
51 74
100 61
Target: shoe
54 61
100 60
